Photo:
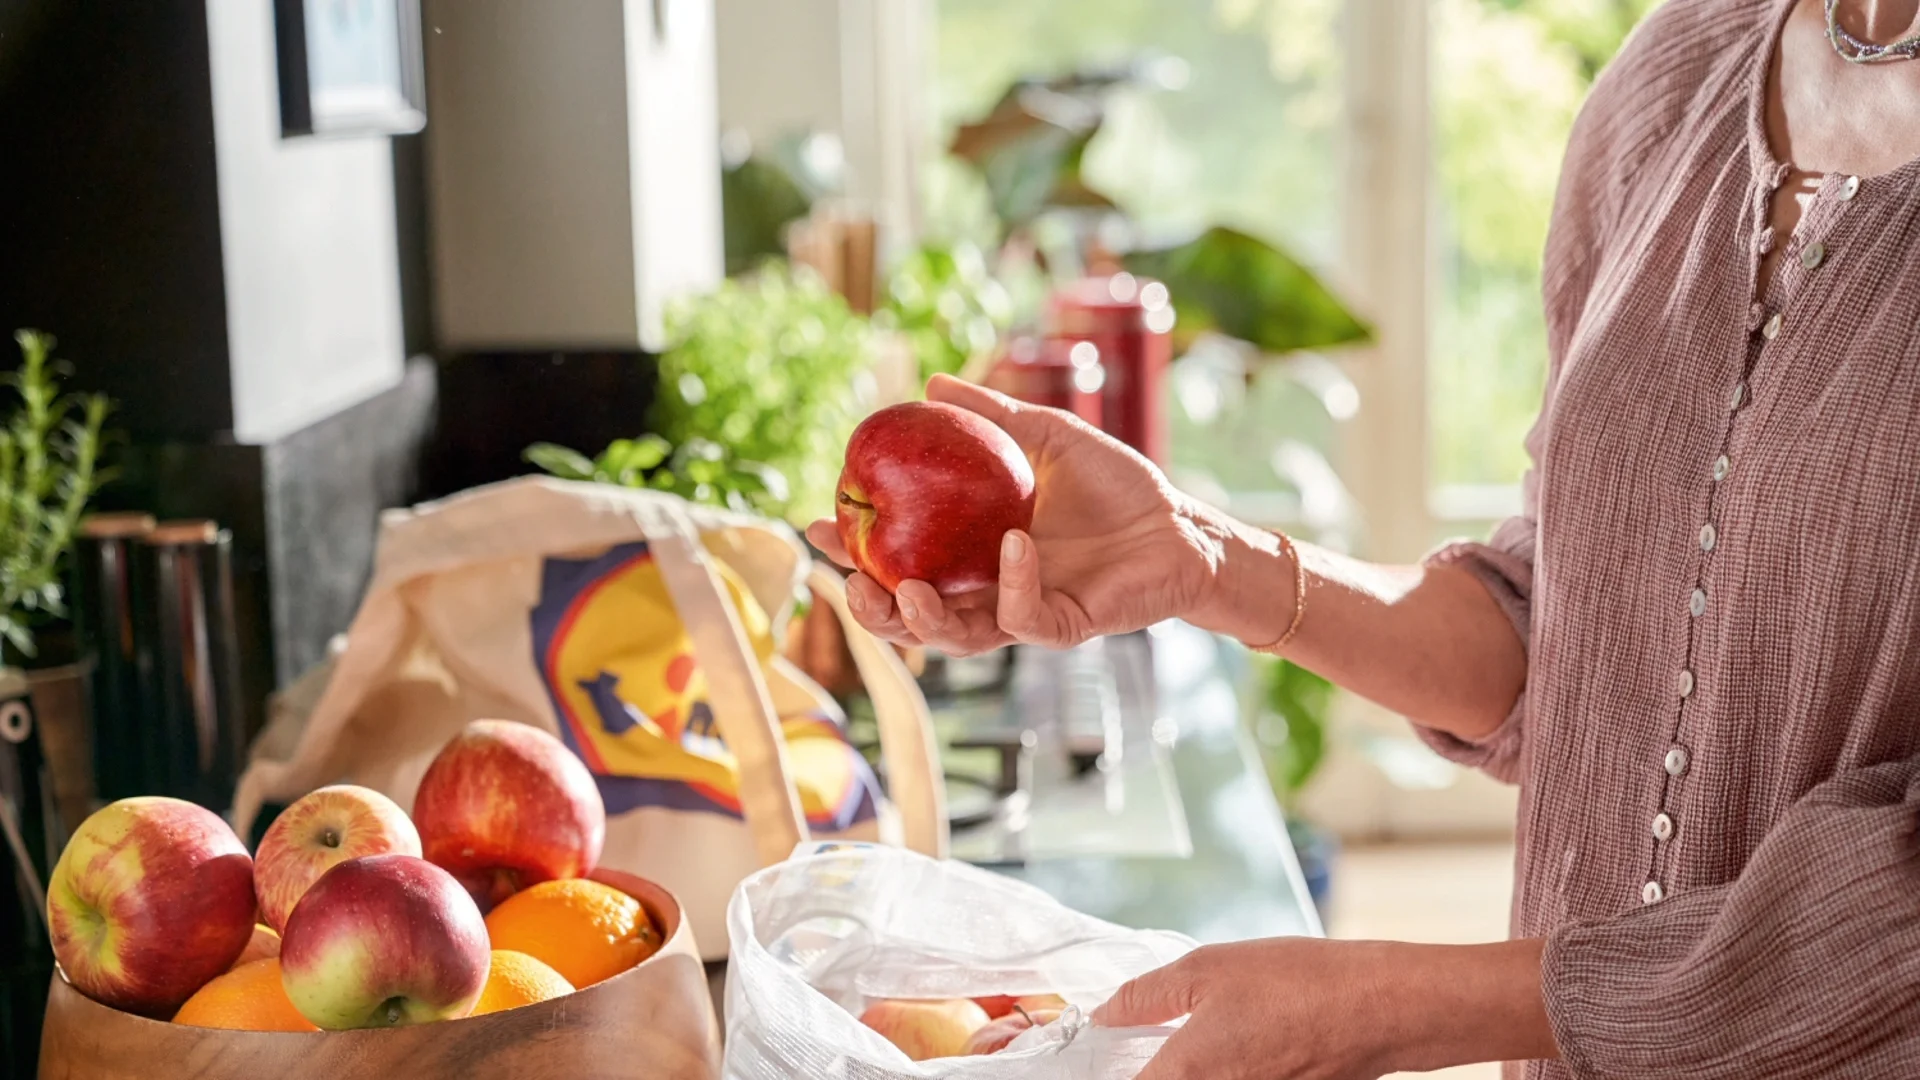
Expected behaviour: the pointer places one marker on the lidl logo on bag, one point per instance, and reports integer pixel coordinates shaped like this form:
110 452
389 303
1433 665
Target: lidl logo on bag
631 699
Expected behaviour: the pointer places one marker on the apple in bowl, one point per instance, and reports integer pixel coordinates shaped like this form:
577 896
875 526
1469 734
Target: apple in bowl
152 898
322 829
505 805
384 941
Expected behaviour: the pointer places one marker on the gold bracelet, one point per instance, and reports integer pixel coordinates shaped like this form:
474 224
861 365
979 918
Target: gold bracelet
1299 596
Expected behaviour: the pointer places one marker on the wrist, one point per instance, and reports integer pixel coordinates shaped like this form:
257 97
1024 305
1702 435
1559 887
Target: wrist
1468 1004
1249 578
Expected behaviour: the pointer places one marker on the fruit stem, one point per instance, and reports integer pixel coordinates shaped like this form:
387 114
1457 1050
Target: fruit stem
1024 1015
849 500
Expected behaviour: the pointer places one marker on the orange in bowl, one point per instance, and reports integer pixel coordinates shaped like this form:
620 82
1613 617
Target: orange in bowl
264 944
515 979
582 929
248 998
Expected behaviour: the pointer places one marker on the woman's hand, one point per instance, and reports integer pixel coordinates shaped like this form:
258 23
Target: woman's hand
1113 547
1311 1009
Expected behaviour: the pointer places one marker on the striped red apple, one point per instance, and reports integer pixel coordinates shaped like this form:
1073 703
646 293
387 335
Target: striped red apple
504 806
151 898
320 830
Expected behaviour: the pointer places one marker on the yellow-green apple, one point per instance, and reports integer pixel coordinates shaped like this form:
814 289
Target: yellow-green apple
382 941
924 1030
323 828
264 945
151 898
927 493
1002 1030
505 806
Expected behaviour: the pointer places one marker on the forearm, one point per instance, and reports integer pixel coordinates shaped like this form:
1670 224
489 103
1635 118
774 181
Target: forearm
1428 643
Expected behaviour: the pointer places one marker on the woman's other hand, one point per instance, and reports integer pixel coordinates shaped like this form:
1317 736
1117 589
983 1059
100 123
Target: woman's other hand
1311 1009
1113 548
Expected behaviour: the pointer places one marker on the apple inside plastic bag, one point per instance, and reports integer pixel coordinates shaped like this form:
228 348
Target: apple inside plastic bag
819 937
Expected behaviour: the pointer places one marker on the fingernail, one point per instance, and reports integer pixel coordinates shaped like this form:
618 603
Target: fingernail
1013 548
908 610
855 602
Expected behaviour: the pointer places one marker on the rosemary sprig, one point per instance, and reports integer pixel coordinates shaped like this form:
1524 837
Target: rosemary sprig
49 469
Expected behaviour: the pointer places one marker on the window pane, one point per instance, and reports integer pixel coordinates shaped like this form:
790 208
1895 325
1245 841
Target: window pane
1508 78
1245 131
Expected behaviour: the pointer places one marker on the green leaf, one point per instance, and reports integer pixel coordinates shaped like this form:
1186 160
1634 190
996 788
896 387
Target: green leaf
758 200
559 461
1232 283
1301 700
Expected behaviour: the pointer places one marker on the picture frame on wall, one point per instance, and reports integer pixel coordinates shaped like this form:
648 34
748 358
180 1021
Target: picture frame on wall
350 67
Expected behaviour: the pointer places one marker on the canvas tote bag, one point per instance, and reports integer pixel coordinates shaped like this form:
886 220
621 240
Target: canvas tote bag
638 628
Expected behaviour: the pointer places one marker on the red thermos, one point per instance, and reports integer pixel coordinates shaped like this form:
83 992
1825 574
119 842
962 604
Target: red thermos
1053 372
1127 319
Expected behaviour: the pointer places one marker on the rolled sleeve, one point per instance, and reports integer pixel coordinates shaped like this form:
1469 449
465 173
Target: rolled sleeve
1504 567
1807 965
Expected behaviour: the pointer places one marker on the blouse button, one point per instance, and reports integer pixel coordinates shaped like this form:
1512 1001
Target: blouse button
1771 329
1676 761
1708 537
1662 828
1721 467
1697 603
1651 893
1849 188
1686 682
1739 394
1813 255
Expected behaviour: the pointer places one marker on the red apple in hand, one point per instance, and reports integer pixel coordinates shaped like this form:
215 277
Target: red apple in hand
321 829
924 1030
151 898
382 941
1001 1031
505 806
927 493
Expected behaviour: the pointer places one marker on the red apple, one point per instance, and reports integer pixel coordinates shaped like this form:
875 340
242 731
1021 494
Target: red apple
321 829
382 941
999 1032
151 898
927 492
505 806
996 1006
1003 1004
924 1030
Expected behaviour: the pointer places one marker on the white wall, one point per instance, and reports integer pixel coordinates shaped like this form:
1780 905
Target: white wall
858 69
307 233
674 136
573 169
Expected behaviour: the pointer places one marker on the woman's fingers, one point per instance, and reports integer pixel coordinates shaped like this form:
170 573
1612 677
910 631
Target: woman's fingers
825 535
1158 997
1025 612
963 627
873 607
972 397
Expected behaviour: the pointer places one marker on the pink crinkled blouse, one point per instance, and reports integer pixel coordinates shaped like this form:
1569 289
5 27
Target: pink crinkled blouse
1717 575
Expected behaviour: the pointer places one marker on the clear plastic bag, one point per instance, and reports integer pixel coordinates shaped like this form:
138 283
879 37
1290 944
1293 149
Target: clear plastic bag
816 939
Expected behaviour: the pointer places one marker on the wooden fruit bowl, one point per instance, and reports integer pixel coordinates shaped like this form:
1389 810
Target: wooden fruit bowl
655 1020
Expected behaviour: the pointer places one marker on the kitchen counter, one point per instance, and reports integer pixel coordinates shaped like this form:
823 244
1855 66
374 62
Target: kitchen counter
1178 831
1235 876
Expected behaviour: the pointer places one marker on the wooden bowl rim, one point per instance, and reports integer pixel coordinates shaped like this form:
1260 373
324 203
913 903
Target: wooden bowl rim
660 905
